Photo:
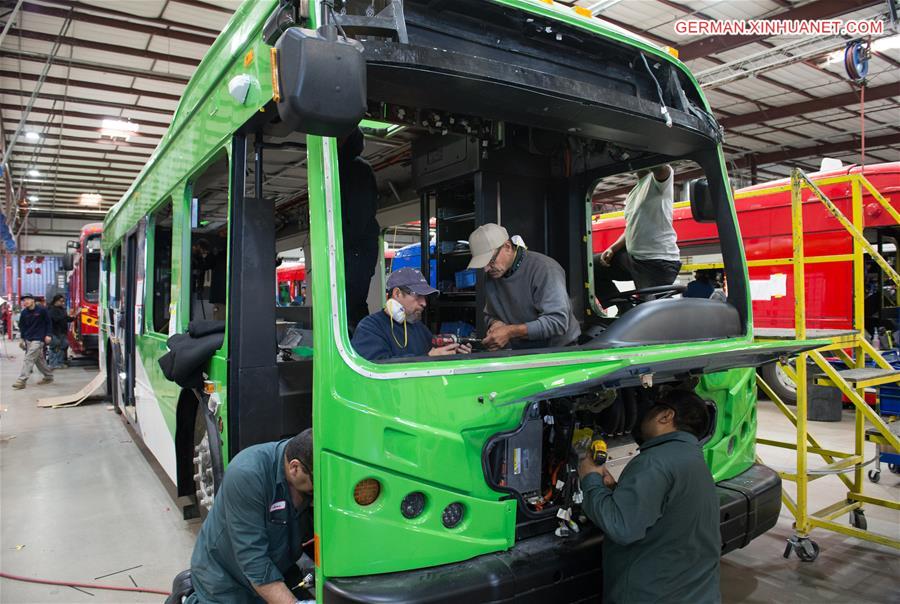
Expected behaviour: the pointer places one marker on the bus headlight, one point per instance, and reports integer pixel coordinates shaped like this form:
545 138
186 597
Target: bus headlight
453 514
412 505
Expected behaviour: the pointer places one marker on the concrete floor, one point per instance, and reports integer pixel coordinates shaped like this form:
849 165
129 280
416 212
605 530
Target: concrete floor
79 501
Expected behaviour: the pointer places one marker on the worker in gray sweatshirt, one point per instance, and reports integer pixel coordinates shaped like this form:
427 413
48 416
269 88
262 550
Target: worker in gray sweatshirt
527 303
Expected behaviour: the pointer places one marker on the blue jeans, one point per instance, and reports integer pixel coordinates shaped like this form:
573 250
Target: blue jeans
59 351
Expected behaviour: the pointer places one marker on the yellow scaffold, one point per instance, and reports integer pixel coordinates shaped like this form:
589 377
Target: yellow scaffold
853 349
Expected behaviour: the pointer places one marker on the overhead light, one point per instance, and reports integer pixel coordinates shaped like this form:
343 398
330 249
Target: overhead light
889 43
33 198
32 136
879 45
34 174
90 199
118 129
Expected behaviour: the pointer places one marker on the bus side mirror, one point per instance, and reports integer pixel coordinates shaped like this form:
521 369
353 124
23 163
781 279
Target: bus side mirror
321 81
69 258
702 207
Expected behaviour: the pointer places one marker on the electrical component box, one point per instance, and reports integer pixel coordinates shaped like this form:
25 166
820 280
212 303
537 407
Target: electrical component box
523 455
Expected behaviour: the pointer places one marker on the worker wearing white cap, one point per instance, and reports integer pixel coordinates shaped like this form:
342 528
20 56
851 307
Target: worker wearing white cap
527 305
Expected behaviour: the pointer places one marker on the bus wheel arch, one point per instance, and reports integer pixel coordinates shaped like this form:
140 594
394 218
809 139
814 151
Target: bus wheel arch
198 447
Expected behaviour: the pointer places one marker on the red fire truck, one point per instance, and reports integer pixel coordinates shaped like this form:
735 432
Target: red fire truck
83 260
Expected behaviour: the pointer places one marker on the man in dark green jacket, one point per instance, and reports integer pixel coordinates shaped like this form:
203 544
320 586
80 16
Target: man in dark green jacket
661 521
255 531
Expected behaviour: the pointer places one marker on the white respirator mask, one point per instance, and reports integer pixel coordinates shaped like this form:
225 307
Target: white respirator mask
395 311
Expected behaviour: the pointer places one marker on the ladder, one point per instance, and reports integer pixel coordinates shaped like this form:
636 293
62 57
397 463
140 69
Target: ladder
853 350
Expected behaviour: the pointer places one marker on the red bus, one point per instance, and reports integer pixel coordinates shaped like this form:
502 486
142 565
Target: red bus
765 223
83 260
291 277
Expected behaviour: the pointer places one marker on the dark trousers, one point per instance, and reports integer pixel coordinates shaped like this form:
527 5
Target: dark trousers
359 267
624 267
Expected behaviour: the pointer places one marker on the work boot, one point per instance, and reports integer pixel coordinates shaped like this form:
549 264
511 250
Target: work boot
18 385
48 379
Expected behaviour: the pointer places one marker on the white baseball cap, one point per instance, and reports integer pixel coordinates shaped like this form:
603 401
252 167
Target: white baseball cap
484 241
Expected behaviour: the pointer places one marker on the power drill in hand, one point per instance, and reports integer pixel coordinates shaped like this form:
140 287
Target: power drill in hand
598 451
445 339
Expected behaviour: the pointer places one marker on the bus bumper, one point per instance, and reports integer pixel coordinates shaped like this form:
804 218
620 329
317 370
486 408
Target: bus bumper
549 569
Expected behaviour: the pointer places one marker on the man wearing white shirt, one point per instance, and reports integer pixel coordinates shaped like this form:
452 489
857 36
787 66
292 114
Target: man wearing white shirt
647 252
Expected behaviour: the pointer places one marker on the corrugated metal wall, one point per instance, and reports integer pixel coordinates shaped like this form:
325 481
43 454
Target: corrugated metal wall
41 275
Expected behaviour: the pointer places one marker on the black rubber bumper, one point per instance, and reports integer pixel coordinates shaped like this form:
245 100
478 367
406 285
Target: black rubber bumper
549 569
749 505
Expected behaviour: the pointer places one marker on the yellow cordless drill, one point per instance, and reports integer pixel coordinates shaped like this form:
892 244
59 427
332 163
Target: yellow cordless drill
598 451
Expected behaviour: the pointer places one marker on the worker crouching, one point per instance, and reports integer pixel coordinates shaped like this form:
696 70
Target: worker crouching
249 544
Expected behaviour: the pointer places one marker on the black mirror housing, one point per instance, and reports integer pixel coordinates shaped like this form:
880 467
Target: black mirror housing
702 207
321 81
68 261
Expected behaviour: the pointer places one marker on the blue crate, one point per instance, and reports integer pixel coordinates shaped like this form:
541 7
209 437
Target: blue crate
459 328
465 279
889 398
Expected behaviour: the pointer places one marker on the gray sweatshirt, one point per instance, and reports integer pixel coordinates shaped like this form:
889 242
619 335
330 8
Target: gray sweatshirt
535 295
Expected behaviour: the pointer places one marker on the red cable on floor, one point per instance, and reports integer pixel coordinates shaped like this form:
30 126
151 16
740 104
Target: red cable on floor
83 585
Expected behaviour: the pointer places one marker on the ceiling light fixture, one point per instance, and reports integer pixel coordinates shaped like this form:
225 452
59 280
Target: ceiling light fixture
34 174
90 199
879 45
889 43
31 135
33 198
118 129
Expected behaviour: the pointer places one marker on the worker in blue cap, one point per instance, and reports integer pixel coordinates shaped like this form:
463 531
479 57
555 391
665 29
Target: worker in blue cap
397 329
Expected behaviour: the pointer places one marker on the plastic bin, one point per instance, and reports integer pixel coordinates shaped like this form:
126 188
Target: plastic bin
465 279
460 328
823 403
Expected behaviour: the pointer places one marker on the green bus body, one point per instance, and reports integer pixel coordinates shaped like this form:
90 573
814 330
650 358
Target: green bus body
416 426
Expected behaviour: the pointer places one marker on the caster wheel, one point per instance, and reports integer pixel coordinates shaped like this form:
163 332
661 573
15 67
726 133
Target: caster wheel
874 476
806 549
858 519
894 468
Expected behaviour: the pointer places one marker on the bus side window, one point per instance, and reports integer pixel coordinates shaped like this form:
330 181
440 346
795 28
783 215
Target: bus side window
209 242
162 266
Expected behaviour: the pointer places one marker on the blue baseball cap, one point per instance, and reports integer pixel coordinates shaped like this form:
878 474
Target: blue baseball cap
411 279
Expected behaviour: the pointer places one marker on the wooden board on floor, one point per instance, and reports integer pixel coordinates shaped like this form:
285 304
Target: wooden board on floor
75 399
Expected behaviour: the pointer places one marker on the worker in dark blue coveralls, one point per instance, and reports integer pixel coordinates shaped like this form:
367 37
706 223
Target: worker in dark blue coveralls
397 330
661 521
254 533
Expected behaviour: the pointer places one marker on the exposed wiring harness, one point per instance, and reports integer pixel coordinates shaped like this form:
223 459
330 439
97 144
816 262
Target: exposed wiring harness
662 102
144 590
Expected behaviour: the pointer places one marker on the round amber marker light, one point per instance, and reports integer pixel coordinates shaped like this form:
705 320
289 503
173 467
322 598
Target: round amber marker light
366 491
